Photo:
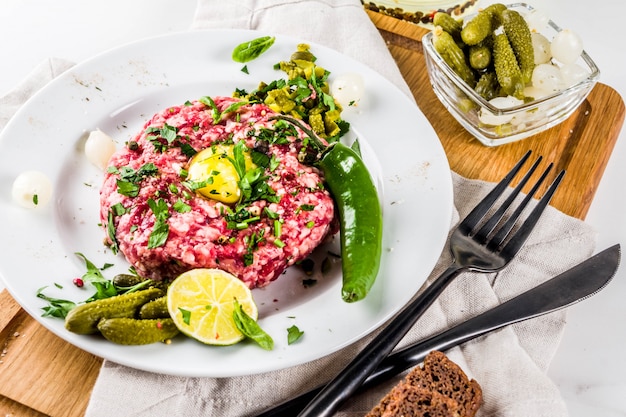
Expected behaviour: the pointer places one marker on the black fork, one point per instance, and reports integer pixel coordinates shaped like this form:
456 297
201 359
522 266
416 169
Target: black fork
482 242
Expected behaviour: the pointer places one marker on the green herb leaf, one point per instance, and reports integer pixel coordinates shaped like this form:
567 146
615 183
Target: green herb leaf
57 307
270 213
238 160
111 231
250 50
181 207
293 334
161 228
118 209
93 276
234 107
186 315
208 101
128 183
128 189
250 328
274 163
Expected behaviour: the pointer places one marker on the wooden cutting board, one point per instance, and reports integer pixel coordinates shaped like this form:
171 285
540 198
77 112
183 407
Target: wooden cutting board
41 375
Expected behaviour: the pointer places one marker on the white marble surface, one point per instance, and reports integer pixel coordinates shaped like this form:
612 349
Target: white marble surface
590 365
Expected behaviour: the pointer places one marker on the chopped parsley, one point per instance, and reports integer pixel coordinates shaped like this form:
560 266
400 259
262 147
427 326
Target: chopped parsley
128 183
216 113
186 315
111 232
252 244
293 334
161 228
163 138
181 207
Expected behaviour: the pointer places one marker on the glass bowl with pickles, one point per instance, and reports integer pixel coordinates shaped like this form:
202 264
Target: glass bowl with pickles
507 72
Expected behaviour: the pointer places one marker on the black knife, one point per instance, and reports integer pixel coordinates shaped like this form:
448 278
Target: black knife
570 287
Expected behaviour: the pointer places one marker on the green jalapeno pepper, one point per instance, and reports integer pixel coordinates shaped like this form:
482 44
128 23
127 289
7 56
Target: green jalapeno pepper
360 213
360 217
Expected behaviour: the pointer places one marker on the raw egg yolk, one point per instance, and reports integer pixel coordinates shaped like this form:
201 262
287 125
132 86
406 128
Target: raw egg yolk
213 171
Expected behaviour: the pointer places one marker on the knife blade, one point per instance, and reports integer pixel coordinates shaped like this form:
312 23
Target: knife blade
572 286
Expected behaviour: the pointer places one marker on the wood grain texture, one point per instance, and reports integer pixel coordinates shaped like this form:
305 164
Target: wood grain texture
39 370
41 374
10 408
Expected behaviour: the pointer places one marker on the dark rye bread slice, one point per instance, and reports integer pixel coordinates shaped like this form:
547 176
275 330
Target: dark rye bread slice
407 401
439 376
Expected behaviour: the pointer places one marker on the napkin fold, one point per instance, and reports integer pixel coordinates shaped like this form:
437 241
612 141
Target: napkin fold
510 364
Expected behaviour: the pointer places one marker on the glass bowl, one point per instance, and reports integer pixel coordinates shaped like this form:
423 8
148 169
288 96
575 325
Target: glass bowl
517 122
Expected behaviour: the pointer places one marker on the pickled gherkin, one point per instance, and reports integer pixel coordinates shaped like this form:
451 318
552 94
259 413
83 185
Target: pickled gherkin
477 29
449 24
495 11
479 56
496 45
127 280
507 69
487 86
129 331
155 309
519 36
84 318
453 55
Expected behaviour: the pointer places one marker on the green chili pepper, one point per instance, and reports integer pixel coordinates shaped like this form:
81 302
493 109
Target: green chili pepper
360 213
360 217
250 50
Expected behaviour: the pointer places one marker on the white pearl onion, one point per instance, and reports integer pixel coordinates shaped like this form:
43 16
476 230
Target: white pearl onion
98 148
566 46
489 118
32 189
348 89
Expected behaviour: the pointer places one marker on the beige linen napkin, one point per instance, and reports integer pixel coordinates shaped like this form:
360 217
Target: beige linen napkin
510 364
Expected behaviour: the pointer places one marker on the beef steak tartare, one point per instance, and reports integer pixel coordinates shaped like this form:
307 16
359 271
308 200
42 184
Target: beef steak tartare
215 183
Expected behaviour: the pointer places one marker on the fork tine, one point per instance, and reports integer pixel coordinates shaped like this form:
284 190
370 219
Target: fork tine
517 241
493 221
477 214
498 239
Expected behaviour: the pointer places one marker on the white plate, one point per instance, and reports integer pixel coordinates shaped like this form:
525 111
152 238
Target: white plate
121 89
